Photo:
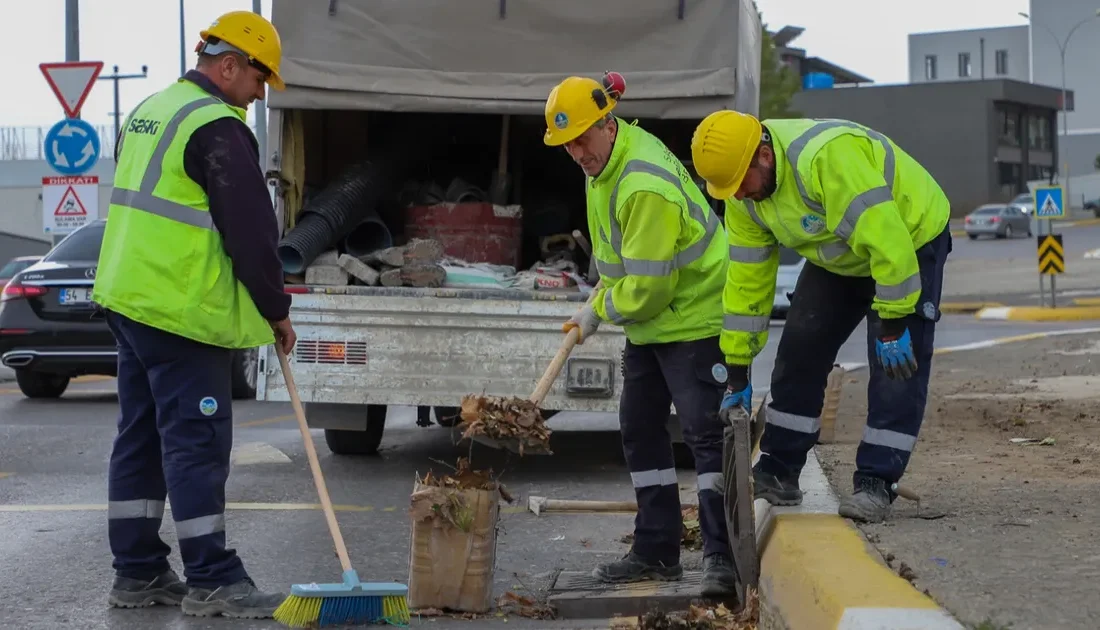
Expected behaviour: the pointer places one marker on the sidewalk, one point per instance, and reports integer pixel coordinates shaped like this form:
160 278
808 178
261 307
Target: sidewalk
1007 467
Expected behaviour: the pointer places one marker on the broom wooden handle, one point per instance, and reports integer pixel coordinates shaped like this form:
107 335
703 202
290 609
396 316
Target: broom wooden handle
558 362
314 464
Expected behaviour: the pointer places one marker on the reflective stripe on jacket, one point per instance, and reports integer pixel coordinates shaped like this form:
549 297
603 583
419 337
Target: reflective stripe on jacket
847 199
659 247
162 262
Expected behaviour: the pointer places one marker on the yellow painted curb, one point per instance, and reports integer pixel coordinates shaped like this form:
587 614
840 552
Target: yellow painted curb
958 232
1089 301
1083 222
1040 314
959 308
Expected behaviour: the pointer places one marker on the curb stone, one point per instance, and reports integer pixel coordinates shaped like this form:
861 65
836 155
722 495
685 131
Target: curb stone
1039 313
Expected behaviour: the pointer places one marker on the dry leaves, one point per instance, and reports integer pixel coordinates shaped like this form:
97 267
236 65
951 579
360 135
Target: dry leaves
705 617
512 604
441 496
691 536
506 419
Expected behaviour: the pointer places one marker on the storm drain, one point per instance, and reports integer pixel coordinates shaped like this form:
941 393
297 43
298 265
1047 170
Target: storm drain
578 595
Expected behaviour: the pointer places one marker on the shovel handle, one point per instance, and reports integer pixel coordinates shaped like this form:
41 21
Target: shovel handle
558 362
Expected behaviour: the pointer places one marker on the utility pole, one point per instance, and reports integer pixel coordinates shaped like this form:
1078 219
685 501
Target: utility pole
116 77
183 44
72 53
261 108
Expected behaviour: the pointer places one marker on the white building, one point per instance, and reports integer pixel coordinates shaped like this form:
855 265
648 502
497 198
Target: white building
1030 52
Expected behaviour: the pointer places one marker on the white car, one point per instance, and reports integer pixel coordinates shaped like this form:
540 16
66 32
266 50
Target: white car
1025 202
790 265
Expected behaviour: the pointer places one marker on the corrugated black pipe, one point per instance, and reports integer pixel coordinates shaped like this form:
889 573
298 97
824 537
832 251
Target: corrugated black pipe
351 199
371 234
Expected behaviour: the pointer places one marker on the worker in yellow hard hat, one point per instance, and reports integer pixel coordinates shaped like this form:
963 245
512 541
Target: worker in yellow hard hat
191 286
871 223
661 255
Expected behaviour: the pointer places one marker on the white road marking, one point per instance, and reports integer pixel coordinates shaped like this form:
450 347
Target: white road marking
251 453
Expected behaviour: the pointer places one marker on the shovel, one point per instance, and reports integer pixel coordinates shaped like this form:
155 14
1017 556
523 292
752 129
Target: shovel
541 390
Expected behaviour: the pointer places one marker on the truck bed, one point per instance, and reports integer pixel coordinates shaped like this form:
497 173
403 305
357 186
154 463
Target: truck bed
411 346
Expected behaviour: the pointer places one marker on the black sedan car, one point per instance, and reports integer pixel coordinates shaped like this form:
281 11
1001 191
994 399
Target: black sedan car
50 332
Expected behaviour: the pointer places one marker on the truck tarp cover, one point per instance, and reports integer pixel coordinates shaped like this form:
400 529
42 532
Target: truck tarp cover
461 56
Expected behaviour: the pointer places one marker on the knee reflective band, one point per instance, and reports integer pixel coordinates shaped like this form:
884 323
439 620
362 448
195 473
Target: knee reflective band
200 526
654 477
792 422
712 482
891 439
136 508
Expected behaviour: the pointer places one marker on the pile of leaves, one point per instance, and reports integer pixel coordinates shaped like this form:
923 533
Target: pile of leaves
516 420
513 604
441 496
691 537
702 617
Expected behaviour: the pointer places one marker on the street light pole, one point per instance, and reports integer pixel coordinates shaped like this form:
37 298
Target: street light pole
183 45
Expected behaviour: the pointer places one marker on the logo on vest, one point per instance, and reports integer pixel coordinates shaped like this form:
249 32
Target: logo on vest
208 406
812 224
561 121
718 371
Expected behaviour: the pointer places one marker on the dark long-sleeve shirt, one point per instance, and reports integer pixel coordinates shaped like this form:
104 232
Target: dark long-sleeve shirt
223 158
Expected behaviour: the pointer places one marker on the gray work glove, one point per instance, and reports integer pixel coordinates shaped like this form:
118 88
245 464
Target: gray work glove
585 319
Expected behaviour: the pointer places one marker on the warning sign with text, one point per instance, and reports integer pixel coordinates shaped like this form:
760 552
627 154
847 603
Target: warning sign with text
69 203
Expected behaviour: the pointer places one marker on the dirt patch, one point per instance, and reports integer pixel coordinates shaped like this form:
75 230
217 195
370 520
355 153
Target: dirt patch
1008 457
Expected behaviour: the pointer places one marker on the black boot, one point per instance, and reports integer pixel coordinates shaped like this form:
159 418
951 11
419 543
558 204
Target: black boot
777 490
719 578
165 589
634 568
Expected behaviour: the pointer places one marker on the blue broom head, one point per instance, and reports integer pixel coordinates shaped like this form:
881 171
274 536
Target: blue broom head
354 602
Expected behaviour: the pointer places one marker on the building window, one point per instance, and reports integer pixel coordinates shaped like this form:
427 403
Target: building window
1038 132
964 65
1001 59
930 67
1009 128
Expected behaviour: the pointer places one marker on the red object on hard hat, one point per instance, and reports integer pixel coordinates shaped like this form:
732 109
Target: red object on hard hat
614 84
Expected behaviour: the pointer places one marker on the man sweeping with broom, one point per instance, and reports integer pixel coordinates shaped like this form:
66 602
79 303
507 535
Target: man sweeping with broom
661 254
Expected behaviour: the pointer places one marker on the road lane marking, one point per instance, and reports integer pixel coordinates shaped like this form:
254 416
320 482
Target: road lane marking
245 507
257 453
264 421
4 474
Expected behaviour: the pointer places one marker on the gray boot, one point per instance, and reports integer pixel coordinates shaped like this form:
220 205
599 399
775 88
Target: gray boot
870 503
238 601
165 589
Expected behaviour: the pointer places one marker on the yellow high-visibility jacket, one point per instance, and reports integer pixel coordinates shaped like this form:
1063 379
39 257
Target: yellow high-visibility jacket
850 201
659 247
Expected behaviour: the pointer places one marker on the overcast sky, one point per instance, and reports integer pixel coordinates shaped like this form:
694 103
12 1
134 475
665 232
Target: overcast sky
865 36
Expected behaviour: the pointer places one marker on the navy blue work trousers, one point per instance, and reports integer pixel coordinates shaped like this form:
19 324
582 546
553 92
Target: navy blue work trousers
826 308
175 433
692 375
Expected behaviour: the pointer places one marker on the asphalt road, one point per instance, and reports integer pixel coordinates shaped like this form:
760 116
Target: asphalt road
55 566
1006 270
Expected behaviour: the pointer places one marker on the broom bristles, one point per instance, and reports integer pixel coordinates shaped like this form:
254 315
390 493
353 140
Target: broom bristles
305 612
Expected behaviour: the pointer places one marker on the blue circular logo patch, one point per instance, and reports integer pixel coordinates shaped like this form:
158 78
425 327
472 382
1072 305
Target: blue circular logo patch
561 121
718 371
208 406
812 224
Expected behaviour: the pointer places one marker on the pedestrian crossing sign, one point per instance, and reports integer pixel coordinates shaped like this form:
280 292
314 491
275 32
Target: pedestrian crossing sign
1049 202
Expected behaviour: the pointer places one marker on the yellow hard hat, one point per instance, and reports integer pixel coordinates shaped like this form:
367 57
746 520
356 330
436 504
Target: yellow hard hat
253 35
574 105
722 148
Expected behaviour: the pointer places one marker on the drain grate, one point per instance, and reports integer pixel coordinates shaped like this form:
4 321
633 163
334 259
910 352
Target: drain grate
577 581
577 595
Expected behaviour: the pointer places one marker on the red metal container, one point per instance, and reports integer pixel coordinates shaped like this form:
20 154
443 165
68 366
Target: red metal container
474 232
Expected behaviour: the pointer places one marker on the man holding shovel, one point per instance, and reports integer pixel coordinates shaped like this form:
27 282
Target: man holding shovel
661 254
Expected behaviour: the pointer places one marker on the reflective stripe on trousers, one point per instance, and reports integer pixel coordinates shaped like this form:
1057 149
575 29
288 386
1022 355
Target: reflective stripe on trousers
144 199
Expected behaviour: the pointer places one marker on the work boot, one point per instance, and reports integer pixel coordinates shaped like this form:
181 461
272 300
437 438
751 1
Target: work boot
719 578
870 503
775 489
166 589
238 601
634 568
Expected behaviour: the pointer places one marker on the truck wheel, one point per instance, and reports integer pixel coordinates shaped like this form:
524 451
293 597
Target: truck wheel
40 385
245 365
447 416
366 442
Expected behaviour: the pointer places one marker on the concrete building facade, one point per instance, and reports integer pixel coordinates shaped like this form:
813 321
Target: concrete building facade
1031 52
966 133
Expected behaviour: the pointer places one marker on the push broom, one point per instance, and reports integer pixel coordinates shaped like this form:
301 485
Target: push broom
347 602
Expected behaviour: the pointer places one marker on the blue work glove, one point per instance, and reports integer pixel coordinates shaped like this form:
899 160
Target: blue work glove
738 390
894 349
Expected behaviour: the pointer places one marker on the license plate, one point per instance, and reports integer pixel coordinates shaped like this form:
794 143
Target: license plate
73 296
591 377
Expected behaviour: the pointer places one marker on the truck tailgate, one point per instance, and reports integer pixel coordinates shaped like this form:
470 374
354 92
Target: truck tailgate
405 346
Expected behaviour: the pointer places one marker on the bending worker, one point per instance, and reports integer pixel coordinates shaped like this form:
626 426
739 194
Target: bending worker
187 276
661 255
872 225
